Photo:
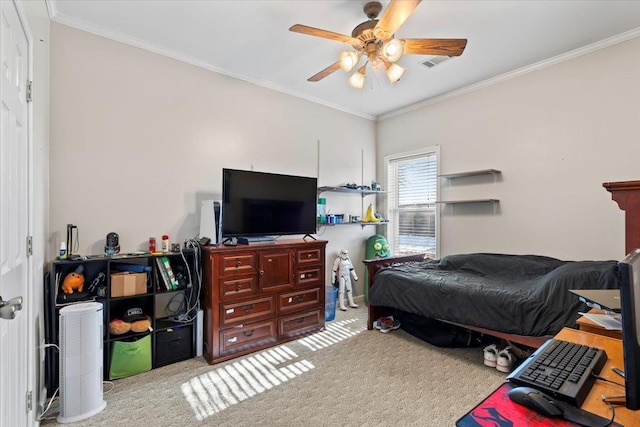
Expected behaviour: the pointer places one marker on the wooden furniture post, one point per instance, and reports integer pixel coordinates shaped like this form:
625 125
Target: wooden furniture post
627 195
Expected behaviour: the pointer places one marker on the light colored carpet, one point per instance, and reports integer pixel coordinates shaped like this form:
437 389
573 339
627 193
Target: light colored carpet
343 376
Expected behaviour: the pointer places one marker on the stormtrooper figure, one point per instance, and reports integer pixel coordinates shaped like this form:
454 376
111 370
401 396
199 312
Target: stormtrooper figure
342 272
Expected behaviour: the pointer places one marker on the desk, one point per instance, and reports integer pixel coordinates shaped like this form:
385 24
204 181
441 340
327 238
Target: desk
594 403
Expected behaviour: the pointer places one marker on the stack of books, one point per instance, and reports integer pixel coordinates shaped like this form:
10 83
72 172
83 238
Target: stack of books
168 278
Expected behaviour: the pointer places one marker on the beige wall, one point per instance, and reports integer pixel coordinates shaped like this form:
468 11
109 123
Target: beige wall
556 134
139 139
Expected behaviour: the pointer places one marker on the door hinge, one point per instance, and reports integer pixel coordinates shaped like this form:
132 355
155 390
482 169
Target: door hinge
29 245
30 91
29 401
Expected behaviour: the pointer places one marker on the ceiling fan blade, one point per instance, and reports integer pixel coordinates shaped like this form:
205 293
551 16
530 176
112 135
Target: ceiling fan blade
303 29
324 73
443 47
393 17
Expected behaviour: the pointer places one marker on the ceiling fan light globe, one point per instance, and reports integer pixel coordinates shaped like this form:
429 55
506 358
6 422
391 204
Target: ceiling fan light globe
394 72
393 50
348 60
357 80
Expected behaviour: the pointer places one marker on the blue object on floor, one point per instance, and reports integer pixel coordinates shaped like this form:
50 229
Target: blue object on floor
330 297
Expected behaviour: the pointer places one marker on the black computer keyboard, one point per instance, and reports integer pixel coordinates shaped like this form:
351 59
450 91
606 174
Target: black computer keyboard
561 369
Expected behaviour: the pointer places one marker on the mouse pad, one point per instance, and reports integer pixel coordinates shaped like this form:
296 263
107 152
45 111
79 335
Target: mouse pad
498 410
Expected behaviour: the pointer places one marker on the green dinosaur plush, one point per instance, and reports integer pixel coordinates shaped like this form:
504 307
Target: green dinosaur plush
377 247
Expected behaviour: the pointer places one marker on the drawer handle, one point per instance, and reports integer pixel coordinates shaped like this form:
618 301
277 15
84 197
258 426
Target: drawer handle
300 320
262 272
238 288
238 263
309 256
248 333
300 298
248 308
302 276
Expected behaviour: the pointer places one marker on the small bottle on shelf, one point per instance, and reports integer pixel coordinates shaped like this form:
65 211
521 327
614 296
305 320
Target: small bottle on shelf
165 243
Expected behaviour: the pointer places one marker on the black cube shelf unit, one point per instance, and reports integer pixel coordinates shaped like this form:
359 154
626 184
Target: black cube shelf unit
172 333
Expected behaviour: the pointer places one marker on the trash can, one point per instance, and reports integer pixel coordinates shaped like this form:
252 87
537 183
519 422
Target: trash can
330 297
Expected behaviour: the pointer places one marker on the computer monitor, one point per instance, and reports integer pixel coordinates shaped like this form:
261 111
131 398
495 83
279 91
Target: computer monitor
629 275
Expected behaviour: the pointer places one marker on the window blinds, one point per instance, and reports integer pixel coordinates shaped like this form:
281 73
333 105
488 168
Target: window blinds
412 189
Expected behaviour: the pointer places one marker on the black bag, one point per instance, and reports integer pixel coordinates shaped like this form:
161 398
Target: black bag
438 333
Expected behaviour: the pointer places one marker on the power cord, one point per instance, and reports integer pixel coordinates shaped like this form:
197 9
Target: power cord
598 377
42 416
190 305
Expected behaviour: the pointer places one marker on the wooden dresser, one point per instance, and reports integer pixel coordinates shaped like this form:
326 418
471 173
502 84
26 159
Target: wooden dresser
260 295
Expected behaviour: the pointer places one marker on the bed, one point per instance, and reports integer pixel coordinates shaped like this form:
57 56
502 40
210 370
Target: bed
523 298
528 320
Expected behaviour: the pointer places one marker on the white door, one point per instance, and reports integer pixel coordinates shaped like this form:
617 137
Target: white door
14 213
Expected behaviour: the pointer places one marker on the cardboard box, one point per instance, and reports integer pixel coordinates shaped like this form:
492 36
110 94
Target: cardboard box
126 283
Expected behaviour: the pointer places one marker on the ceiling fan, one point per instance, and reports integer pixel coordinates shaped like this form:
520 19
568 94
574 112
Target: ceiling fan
374 39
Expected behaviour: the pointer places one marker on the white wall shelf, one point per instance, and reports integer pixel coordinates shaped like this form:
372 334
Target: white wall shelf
479 172
457 202
320 224
349 190
356 191
470 173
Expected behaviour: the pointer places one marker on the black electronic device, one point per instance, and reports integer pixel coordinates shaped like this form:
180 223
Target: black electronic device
562 369
536 400
604 299
629 275
258 204
71 242
112 246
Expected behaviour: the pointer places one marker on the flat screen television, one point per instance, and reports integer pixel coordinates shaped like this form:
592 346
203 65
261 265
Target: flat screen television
267 204
629 274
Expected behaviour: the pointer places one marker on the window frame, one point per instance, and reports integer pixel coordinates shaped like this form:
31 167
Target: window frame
408 155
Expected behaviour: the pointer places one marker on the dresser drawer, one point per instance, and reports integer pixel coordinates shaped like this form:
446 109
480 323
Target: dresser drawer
309 256
300 323
247 336
310 276
244 262
238 312
238 287
300 300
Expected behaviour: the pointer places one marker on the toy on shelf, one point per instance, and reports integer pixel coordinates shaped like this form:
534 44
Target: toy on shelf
119 327
74 281
377 247
342 273
133 320
370 216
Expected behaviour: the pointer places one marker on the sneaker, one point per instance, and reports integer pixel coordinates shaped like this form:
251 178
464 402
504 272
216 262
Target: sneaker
388 324
377 324
490 355
505 360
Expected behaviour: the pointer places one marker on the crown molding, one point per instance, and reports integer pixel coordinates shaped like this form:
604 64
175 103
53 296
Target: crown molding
611 41
131 41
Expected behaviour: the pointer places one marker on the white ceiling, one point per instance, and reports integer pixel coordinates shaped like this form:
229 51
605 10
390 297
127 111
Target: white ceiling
250 40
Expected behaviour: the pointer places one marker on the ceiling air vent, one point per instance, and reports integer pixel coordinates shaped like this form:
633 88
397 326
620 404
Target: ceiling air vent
435 60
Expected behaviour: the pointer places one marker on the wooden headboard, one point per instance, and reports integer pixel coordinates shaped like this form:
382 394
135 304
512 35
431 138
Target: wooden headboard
627 195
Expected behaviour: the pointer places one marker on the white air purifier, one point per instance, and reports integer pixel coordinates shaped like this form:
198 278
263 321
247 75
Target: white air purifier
81 361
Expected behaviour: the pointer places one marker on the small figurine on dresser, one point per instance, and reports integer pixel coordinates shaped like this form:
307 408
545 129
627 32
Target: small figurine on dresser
342 272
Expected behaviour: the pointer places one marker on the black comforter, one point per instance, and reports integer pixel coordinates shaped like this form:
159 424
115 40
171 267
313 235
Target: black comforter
517 294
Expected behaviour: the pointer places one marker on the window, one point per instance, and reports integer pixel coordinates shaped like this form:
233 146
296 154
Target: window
412 185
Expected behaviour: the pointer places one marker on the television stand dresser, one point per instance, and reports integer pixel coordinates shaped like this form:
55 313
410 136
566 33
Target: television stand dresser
260 295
